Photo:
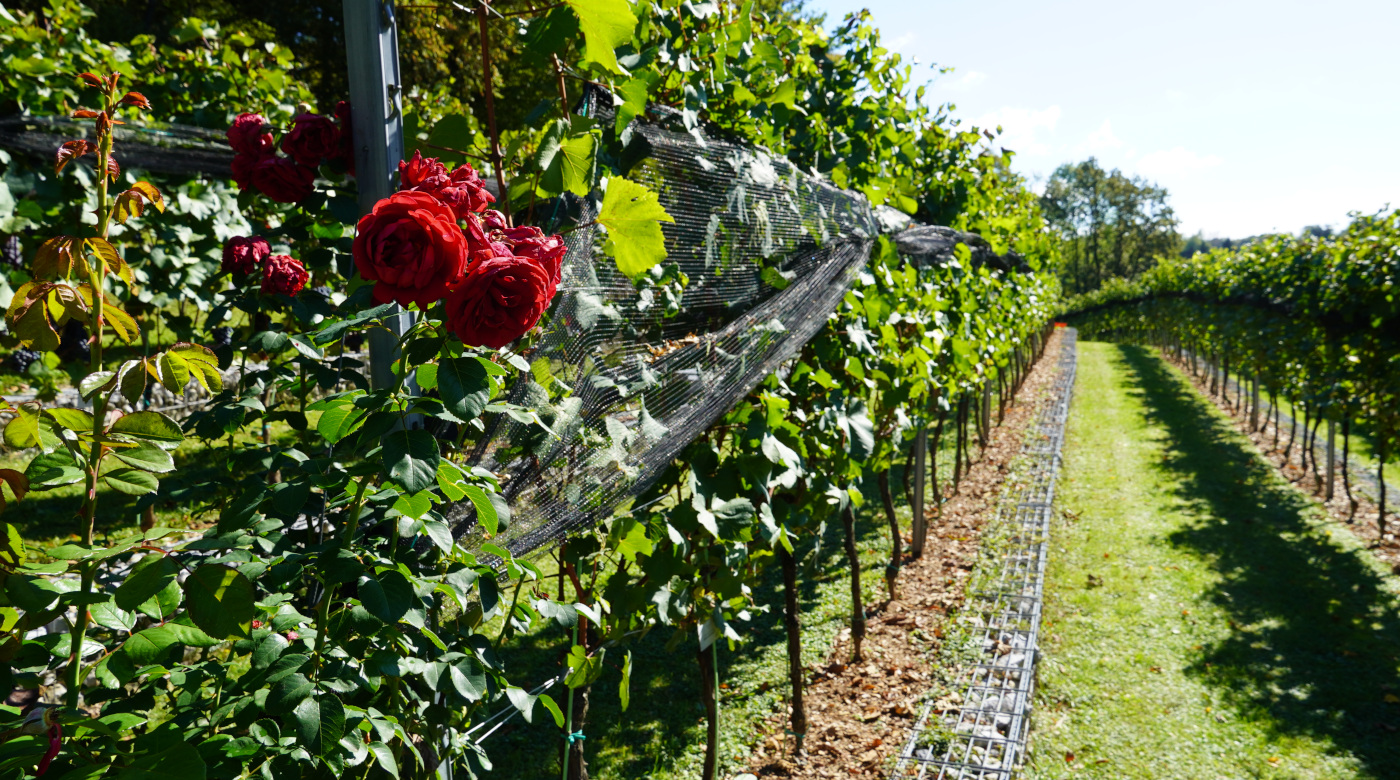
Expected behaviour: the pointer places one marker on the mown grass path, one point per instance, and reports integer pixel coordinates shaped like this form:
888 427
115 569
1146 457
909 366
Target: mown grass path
1202 621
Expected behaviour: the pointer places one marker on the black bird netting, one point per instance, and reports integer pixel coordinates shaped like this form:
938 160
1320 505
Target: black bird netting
759 256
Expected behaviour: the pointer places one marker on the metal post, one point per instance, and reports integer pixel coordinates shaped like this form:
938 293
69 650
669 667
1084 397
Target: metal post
916 549
372 54
1331 457
1254 408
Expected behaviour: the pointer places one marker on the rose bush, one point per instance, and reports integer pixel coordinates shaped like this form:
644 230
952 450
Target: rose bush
313 140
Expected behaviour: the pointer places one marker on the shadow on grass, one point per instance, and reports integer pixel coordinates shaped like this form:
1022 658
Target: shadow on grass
1316 647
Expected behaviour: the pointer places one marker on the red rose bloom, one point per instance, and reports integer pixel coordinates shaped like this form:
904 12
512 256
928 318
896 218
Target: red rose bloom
283 274
249 135
411 247
501 299
346 141
243 255
421 175
283 180
548 251
313 138
479 246
243 165
462 189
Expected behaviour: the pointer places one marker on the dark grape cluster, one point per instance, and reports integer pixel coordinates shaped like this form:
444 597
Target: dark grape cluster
21 359
73 344
12 254
353 341
222 335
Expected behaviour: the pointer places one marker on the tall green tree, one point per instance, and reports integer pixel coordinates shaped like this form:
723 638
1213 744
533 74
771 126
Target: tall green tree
1108 225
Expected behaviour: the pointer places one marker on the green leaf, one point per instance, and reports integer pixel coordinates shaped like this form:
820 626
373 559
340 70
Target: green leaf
146 456
523 702
288 693
464 387
411 459
624 688
337 423
201 363
94 382
54 469
553 710
152 575
133 482
485 510
148 425
72 419
606 25
149 646
22 431
414 506
385 757
108 615
633 216
220 601
567 159
387 595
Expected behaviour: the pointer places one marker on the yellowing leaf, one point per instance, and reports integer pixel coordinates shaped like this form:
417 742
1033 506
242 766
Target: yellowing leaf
633 216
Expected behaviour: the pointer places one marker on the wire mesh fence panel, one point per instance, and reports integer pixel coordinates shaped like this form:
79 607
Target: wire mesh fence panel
980 729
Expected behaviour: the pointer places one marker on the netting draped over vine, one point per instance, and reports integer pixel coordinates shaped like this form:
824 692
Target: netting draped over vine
759 256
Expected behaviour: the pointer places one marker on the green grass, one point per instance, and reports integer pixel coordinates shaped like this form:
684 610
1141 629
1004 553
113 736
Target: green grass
1202 620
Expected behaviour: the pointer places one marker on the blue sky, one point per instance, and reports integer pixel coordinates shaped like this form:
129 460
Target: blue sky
1256 116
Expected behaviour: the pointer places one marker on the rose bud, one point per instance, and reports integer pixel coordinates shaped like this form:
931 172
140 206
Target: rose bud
411 247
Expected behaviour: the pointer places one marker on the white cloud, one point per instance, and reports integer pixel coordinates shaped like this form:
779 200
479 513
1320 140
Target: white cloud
966 81
901 43
1021 127
1178 159
1100 141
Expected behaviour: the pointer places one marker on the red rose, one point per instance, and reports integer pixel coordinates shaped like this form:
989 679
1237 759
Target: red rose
313 138
500 300
243 165
346 141
421 175
462 189
283 274
411 247
548 251
249 135
283 180
243 255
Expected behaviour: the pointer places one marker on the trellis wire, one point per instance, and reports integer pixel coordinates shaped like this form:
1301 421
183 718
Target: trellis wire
983 734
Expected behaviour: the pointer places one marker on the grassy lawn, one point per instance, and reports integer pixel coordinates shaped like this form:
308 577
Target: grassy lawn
1201 620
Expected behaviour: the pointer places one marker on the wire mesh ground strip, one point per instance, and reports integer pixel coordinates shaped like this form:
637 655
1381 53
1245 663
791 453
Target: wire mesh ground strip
979 730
